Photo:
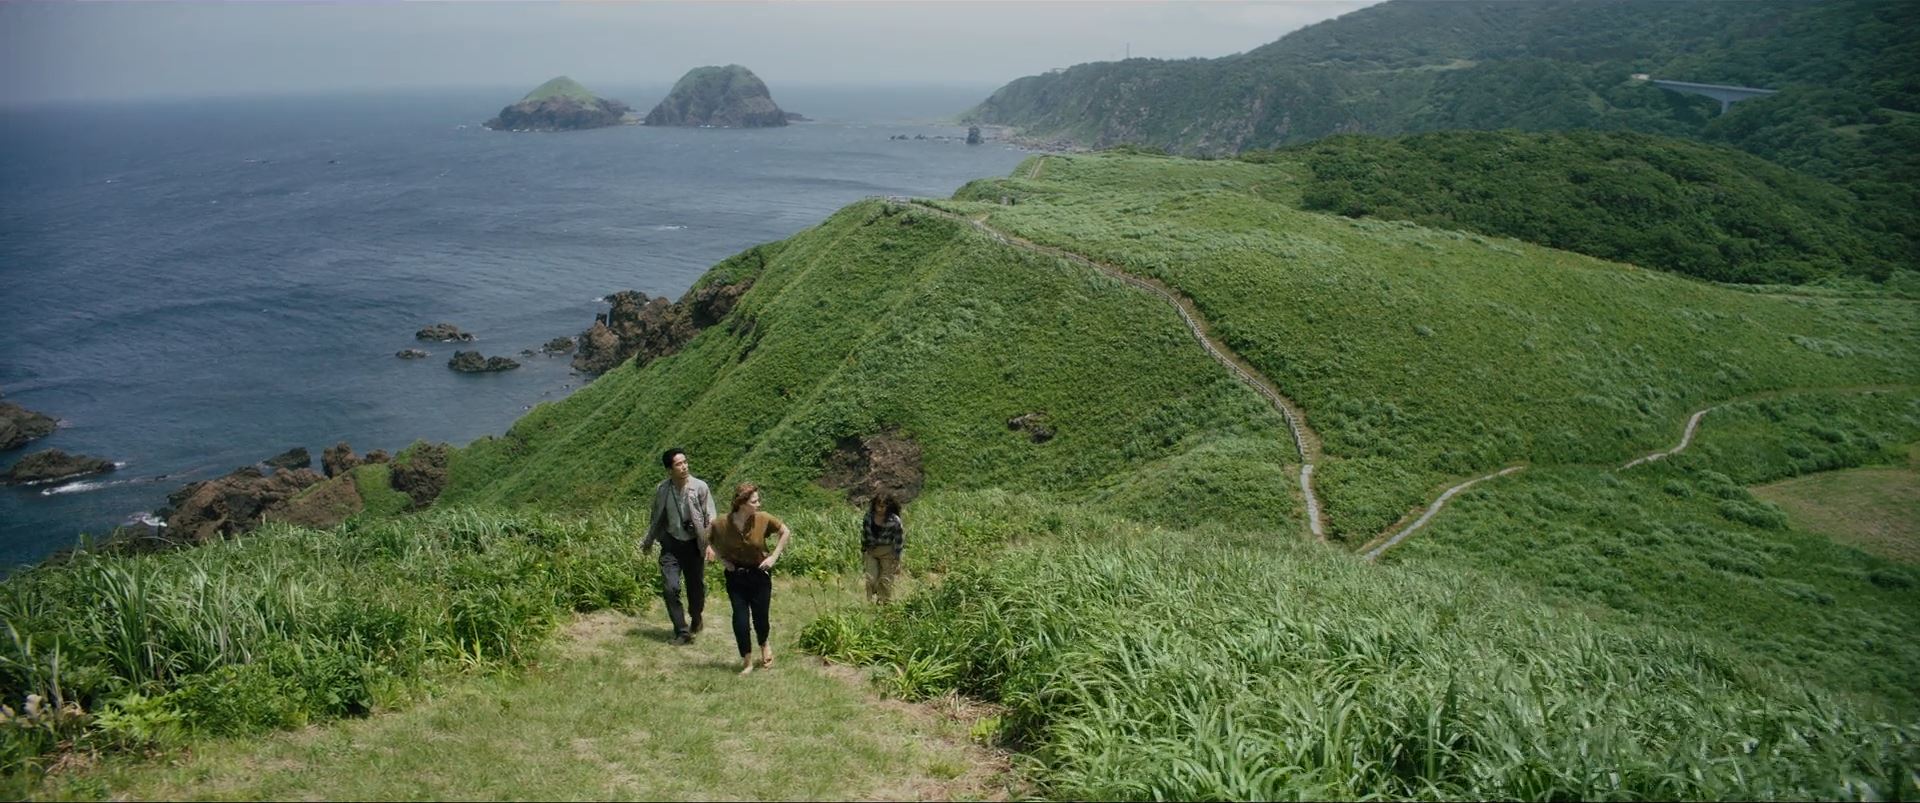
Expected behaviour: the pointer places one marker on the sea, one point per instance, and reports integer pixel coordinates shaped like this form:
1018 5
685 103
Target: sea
192 286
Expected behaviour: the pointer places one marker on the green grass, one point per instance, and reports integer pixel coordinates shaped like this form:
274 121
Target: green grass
1682 546
608 711
885 320
1138 663
1422 357
561 87
1875 509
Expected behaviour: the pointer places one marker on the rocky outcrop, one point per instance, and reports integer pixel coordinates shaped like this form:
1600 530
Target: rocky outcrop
413 354
560 105
379 456
232 504
421 473
722 97
1038 426
470 362
559 345
973 135
290 459
646 329
338 459
443 333
324 505
887 462
54 464
19 425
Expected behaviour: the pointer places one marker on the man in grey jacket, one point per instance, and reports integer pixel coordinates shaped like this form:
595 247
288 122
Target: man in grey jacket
679 518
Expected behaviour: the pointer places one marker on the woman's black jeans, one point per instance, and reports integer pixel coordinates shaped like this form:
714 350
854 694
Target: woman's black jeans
750 590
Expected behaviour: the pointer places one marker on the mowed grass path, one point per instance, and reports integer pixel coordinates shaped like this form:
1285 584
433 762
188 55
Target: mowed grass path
613 712
1876 509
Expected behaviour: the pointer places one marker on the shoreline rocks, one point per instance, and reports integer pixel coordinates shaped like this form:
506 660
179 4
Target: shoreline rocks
53 464
291 459
413 354
18 425
645 329
443 333
471 362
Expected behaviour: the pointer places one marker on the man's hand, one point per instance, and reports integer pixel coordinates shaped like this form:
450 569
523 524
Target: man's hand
710 554
646 547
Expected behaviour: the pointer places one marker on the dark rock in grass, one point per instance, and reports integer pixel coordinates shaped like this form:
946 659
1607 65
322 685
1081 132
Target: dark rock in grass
323 505
1038 426
559 345
52 465
421 472
887 462
232 504
444 333
290 459
338 459
379 456
19 425
470 362
413 354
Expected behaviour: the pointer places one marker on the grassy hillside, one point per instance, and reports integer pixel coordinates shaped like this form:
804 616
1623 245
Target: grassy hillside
1422 356
1138 589
887 321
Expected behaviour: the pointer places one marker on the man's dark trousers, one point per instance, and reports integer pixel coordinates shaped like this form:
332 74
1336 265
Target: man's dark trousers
682 563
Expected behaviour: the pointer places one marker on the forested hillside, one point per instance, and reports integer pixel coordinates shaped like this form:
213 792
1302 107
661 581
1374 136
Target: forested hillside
1848 110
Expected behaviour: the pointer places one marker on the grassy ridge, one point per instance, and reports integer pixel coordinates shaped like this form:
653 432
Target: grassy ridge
1421 355
886 320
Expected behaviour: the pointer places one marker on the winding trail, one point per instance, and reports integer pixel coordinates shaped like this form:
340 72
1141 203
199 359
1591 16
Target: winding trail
1374 553
1306 444
1382 544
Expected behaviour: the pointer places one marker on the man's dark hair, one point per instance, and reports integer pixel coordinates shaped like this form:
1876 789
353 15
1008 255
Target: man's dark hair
666 457
888 503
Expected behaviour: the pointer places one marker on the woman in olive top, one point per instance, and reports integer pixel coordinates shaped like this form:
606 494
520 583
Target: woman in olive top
740 541
882 537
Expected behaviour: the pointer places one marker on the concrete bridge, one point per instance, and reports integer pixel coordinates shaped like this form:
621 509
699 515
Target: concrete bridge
1727 95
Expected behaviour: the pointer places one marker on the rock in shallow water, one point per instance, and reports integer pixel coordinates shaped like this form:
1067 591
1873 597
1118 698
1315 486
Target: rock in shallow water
54 464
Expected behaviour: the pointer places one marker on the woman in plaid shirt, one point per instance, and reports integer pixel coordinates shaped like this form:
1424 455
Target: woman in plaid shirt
882 538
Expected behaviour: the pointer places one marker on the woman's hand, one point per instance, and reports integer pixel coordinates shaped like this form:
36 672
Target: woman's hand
767 564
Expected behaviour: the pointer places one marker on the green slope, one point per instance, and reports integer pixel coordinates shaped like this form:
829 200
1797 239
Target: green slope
1138 590
1424 356
561 87
882 320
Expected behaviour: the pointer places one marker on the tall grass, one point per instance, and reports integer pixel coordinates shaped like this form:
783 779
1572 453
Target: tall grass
1155 665
287 625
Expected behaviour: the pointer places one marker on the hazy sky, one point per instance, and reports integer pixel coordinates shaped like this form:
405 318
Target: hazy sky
87 51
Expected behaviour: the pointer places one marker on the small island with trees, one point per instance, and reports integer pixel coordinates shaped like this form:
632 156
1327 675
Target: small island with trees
561 104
